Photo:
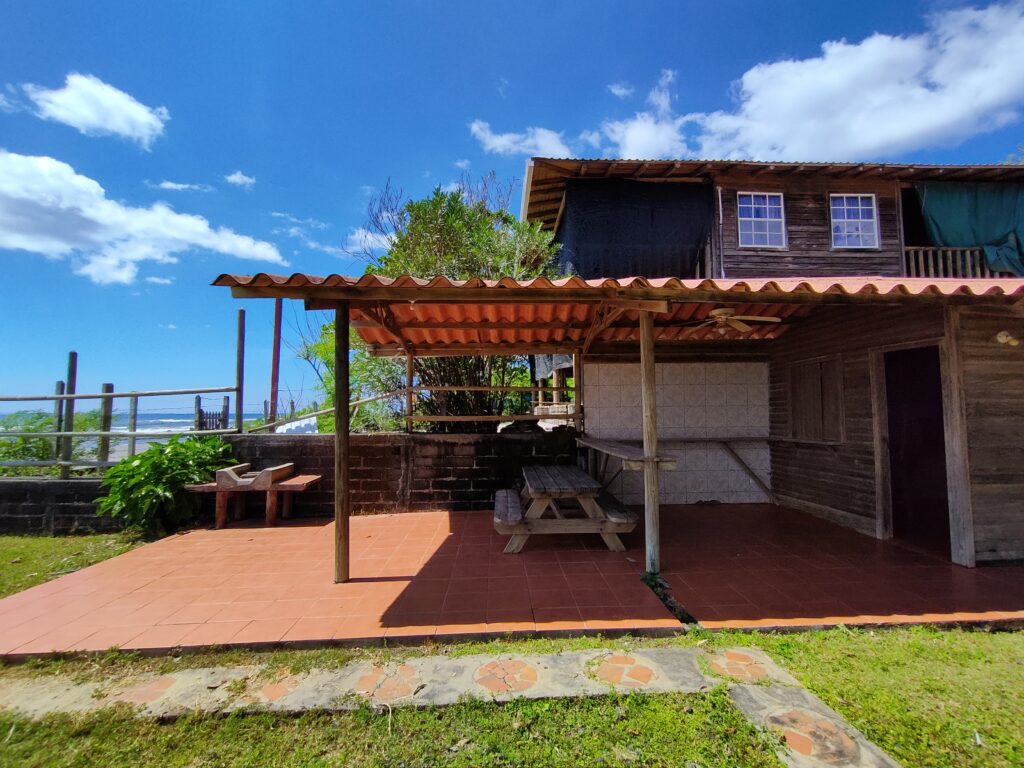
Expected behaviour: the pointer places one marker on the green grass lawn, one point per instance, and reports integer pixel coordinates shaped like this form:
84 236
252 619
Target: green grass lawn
921 694
29 560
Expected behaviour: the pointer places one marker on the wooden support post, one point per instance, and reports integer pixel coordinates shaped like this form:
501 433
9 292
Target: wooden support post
240 370
275 362
106 417
225 413
341 427
410 371
266 411
556 382
577 395
958 470
291 409
652 520
58 417
69 415
133 423
197 419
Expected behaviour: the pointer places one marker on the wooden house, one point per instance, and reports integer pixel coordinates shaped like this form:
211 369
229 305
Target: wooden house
805 334
895 419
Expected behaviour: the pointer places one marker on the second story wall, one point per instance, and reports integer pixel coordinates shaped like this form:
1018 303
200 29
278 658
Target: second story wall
808 248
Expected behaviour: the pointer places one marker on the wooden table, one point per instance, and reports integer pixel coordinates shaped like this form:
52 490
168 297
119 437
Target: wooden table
545 487
632 455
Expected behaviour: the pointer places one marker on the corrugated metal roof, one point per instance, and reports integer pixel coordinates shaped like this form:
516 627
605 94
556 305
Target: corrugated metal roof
849 286
443 316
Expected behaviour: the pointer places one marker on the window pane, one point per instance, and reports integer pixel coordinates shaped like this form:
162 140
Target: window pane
775 239
746 211
745 200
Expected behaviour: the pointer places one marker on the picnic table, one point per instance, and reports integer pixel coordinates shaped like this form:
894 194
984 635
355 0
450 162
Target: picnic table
240 479
559 491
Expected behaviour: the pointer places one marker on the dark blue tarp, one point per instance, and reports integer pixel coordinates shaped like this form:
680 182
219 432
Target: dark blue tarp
623 228
960 214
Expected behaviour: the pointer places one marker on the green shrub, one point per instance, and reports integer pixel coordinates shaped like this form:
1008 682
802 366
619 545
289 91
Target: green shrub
42 449
149 489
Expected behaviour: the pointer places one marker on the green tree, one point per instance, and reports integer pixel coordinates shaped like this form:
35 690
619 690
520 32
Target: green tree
459 234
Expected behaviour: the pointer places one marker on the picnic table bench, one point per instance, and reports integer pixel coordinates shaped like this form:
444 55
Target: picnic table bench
552 489
239 479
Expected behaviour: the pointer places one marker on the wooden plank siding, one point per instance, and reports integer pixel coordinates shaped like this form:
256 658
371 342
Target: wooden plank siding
993 385
837 480
809 249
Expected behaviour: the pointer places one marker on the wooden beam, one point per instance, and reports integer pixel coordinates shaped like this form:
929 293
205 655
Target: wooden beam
558 216
652 512
410 393
577 384
341 445
958 470
603 317
240 371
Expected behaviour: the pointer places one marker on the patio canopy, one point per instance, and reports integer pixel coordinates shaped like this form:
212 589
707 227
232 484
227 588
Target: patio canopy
429 317
464 317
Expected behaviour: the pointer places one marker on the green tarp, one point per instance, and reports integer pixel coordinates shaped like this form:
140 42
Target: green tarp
986 215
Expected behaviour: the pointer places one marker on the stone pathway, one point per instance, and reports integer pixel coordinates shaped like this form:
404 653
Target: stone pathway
812 734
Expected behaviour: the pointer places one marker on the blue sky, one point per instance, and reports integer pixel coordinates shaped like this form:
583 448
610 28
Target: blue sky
123 126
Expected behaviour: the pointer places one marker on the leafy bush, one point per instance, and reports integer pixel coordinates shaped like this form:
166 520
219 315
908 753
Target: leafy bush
149 489
39 448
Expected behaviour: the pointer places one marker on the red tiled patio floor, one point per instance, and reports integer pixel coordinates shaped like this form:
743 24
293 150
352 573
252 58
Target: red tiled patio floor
443 574
413 575
747 566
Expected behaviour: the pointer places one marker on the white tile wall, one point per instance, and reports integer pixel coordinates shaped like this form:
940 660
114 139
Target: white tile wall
694 400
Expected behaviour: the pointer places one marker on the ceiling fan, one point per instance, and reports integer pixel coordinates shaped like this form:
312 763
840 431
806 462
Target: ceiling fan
724 319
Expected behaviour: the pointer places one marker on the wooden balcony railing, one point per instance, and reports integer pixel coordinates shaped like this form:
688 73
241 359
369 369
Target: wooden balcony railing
948 262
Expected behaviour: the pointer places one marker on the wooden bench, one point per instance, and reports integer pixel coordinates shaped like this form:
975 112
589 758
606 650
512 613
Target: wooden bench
237 480
616 511
546 489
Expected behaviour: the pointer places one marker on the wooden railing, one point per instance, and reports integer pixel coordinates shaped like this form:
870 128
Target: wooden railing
948 262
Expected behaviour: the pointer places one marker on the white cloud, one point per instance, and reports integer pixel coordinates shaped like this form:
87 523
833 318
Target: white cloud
296 221
49 209
239 179
98 109
880 97
159 280
167 326
361 240
7 105
591 138
533 141
654 133
462 165
621 90
177 186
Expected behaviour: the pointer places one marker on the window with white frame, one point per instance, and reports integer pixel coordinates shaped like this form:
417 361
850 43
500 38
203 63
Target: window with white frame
762 220
854 221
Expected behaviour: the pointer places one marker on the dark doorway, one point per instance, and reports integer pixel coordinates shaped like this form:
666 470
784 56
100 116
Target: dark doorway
917 448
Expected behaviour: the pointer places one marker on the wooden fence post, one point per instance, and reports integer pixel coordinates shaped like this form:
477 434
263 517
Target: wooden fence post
58 417
240 370
133 422
69 416
225 413
106 419
198 420
577 394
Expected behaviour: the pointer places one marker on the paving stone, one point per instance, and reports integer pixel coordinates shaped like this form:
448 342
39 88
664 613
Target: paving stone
749 665
815 735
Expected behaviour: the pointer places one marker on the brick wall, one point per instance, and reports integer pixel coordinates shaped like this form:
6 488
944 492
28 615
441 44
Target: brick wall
408 472
55 507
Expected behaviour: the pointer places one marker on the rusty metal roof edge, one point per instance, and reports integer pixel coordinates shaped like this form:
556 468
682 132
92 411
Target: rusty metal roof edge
844 285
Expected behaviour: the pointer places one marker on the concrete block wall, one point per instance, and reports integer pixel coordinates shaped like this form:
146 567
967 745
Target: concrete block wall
693 400
408 472
50 506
